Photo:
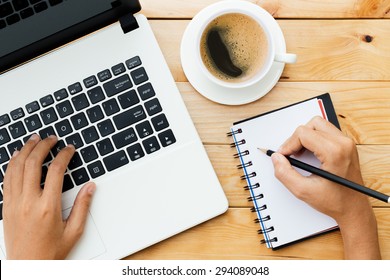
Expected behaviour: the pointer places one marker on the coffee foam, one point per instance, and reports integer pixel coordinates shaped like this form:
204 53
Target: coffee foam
245 40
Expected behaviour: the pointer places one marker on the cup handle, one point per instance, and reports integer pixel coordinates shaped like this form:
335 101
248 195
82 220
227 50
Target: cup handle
286 57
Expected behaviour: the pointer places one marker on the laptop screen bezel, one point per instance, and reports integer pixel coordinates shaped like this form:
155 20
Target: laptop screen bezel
65 36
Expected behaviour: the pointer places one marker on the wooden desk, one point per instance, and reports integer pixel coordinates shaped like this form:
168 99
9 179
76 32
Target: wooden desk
343 47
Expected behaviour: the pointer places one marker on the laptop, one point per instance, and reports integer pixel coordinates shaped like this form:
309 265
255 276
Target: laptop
92 73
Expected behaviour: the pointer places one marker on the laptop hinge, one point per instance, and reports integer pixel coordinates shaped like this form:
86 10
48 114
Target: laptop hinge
128 23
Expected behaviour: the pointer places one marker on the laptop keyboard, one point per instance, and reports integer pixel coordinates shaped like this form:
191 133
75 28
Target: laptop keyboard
112 118
12 11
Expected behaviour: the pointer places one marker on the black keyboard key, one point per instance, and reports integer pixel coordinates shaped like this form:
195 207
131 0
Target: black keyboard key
48 158
167 138
46 132
17 114
135 152
151 145
133 62
58 147
2 24
1 211
110 107
146 91
124 138
48 116
67 184
96 95
128 99
117 85
1 181
90 134
139 76
17 130
15 146
75 88
6 10
104 75
5 168
20 4
4 136
46 100
33 123
12 19
63 128
75 161
96 169
116 160
118 69
106 128
129 117
26 13
60 94
32 107
80 101
153 107
32 2
90 81
75 140
64 109
4 119
55 2
95 114
43 175
3 155
160 122
89 154
144 129
40 7
80 176
79 121
105 147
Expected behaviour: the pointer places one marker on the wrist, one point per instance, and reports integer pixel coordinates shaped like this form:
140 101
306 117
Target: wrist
360 235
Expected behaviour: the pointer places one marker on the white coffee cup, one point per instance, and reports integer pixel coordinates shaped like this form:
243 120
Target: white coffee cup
263 18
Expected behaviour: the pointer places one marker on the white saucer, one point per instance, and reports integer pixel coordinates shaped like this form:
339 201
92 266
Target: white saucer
216 92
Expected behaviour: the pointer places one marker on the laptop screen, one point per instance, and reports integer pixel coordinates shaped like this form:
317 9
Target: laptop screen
31 27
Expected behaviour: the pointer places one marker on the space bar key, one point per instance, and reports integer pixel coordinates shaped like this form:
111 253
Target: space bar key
116 160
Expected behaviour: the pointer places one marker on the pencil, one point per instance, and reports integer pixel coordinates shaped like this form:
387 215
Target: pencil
333 177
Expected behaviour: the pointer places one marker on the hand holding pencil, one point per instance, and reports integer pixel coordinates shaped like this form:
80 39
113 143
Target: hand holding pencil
338 155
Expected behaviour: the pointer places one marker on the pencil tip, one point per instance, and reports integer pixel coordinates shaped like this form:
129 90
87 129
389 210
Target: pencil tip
262 150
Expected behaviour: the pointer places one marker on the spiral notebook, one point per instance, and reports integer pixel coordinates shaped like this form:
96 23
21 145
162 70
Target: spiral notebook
283 218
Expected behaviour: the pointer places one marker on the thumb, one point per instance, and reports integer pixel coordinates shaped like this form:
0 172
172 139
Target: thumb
78 216
289 177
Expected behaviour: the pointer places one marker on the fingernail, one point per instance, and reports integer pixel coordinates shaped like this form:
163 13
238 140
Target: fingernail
276 157
15 153
91 187
53 136
34 137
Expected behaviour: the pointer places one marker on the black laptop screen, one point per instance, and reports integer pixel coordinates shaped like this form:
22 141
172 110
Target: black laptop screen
31 27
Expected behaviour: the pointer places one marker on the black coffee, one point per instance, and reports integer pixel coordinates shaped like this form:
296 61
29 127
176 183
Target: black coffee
234 47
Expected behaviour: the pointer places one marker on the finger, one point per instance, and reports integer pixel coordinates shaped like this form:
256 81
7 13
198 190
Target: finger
16 166
305 138
78 216
33 164
55 174
320 124
289 177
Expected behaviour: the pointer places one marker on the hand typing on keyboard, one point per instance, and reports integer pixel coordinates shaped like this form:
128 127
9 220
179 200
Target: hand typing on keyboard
33 225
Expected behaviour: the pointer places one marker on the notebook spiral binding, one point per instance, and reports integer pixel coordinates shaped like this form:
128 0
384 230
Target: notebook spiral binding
251 186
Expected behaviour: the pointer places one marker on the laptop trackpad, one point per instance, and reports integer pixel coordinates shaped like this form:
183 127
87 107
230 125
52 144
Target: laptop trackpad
90 244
